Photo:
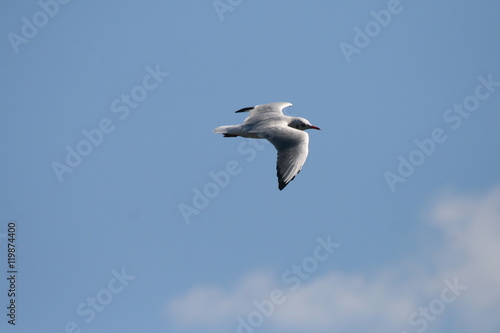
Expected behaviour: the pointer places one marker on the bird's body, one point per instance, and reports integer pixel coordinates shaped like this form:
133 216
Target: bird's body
286 133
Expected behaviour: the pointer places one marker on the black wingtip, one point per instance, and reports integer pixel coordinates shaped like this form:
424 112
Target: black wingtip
281 183
245 109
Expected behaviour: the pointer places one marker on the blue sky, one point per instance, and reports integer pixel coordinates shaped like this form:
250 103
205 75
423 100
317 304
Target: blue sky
106 123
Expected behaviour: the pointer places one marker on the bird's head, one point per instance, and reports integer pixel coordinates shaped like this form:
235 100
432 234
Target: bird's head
301 124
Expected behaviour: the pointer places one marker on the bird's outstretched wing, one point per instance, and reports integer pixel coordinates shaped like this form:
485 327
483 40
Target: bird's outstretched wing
265 111
292 147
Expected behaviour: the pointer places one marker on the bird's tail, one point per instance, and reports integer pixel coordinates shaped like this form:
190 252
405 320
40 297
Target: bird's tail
221 129
228 131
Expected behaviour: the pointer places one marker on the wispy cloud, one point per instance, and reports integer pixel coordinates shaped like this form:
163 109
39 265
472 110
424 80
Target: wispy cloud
215 307
459 282
471 226
346 303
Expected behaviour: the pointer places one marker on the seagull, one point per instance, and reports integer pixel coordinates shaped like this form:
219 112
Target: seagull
286 133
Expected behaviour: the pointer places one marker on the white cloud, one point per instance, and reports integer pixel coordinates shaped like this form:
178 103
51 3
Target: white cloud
214 307
344 303
472 231
388 302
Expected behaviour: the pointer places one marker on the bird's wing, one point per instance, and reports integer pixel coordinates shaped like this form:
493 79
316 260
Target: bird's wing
292 147
265 111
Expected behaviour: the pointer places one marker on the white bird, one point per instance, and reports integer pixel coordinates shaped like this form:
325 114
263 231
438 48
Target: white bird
267 121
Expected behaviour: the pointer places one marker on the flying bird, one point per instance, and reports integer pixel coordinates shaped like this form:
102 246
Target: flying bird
286 133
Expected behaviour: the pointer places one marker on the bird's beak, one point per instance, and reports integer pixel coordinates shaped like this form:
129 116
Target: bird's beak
314 127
